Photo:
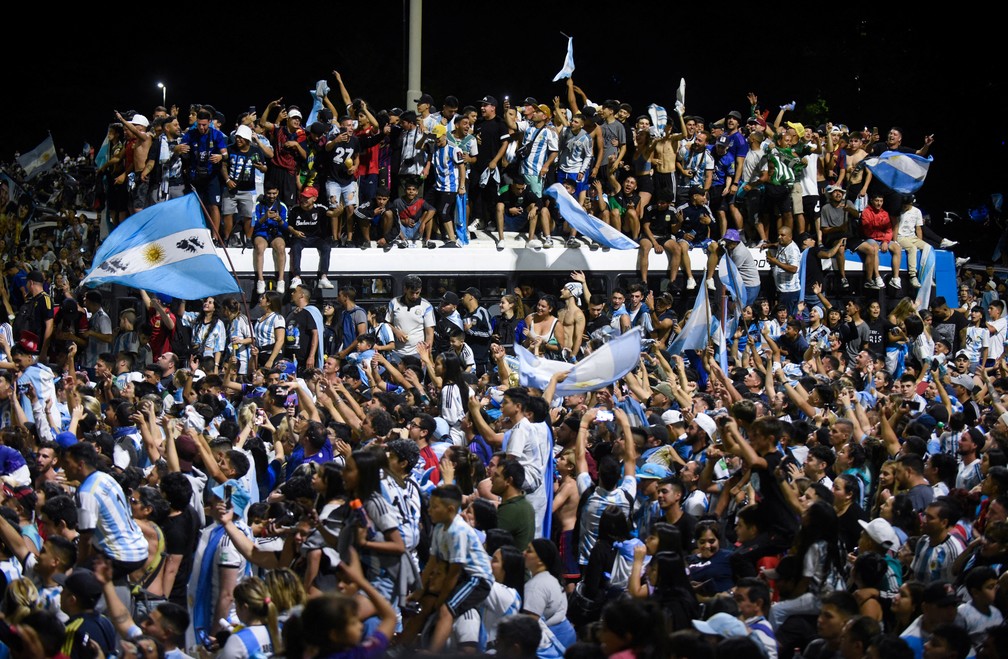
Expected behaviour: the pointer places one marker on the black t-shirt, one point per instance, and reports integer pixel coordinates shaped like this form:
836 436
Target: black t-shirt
297 341
661 221
370 211
97 627
850 530
181 533
491 134
241 166
876 337
782 522
313 222
32 316
337 168
511 199
949 329
692 224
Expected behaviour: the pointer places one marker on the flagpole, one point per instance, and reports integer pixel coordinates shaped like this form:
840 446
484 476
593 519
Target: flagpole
206 216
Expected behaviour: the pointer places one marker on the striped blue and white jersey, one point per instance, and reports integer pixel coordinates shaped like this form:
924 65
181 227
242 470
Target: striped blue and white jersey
102 509
575 151
458 542
542 146
446 168
211 336
265 330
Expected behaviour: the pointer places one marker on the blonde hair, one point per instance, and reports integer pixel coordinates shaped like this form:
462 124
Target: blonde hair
21 598
246 414
253 593
285 588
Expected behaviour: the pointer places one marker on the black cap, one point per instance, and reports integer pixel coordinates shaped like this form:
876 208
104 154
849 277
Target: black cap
530 101
408 115
449 298
472 290
425 98
696 189
488 100
736 114
36 276
940 593
318 129
395 112
722 141
83 584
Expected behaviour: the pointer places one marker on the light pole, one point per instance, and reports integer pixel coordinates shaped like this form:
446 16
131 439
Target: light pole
164 93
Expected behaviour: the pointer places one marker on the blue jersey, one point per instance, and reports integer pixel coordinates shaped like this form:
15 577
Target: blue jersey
542 143
102 509
201 147
458 542
267 226
724 167
446 161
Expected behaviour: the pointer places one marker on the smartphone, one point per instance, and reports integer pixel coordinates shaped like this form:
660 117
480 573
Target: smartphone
260 417
603 416
227 495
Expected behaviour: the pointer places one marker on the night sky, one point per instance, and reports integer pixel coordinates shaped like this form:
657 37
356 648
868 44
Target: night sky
929 75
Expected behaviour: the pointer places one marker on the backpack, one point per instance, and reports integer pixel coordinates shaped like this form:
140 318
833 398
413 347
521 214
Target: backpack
180 341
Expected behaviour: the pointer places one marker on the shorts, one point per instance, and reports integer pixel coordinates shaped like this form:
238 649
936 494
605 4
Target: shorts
444 204
778 198
240 202
467 595
810 207
367 186
665 182
752 201
410 233
579 186
518 222
141 194
645 183
796 195
698 244
569 557
535 184
716 197
209 190
830 240
118 198
337 192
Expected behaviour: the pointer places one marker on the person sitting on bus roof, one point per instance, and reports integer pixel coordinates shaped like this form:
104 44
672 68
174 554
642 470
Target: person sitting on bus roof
414 215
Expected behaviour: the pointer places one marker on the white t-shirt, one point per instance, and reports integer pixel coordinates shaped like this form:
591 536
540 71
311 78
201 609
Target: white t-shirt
908 222
997 340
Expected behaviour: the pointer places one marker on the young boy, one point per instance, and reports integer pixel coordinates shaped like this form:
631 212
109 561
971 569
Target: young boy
980 614
458 576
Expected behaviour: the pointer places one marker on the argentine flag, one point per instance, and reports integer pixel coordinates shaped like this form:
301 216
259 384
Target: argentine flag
926 277
568 65
576 216
601 368
40 159
697 331
166 249
903 172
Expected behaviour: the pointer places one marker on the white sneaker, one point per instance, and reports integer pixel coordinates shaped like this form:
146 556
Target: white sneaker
281 286
878 282
946 243
295 281
871 285
534 244
896 283
324 282
710 284
914 281
547 242
690 284
961 261
260 287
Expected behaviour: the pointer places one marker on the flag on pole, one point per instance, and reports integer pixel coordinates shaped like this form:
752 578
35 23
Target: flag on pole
680 97
594 228
40 159
903 172
320 92
696 332
731 279
568 65
925 274
165 248
603 367
659 118
802 267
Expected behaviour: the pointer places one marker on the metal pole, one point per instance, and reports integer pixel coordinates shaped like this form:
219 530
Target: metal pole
415 28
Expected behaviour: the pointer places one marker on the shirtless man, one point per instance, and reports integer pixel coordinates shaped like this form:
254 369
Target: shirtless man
136 129
571 317
859 177
565 505
663 158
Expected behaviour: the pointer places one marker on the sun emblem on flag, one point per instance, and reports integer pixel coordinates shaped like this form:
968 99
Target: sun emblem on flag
154 254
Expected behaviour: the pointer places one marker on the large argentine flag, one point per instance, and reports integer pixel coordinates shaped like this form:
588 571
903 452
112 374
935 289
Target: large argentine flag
568 65
165 249
603 367
903 172
594 228
40 159
697 331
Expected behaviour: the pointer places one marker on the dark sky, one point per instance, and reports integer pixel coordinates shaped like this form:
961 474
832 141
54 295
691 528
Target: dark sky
927 74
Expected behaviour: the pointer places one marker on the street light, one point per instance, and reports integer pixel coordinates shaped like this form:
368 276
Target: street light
164 93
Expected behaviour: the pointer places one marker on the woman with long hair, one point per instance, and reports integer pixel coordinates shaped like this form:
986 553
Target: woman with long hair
270 330
447 374
601 577
543 329
239 334
261 632
378 541
208 332
709 568
150 510
333 512
286 591
508 566
544 594
505 324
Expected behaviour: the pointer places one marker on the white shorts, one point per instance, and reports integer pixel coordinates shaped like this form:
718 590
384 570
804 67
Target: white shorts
345 193
242 203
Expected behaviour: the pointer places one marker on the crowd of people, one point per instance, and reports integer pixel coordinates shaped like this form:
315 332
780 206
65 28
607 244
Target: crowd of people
195 477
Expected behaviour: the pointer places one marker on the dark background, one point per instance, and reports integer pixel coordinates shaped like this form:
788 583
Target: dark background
941 75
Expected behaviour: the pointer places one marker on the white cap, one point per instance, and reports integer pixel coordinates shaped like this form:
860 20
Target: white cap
294 113
881 532
244 132
140 120
669 417
707 423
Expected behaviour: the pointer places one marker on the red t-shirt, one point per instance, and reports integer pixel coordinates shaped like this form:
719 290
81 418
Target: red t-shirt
159 336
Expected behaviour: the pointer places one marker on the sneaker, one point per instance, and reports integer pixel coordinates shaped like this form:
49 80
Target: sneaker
961 261
572 243
402 244
364 244
914 281
500 245
260 287
946 243
761 245
896 283
593 246
281 286
324 282
451 244
872 285
534 244
710 284
844 284
547 242
430 244
295 281
389 246
690 284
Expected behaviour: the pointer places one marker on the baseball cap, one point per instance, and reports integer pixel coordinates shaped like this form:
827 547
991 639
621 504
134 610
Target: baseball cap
664 388
833 188
798 128
722 141
659 432
185 446
425 98
964 381
244 132
66 439
721 624
395 112
940 593
83 584
529 100
733 235
707 423
36 276
28 343
309 192
472 290
881 531
140 120
488 100
449 298
291 114
652 471
545 110
736 114
439 130
671 417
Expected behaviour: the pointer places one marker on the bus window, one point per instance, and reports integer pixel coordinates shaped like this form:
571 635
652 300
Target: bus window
369 288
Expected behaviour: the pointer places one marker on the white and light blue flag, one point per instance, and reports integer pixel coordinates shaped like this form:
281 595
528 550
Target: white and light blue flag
40 159
802 269
903 172
594 228
568 65
659 118
606 365
925 275
166 249
731 278
697 331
